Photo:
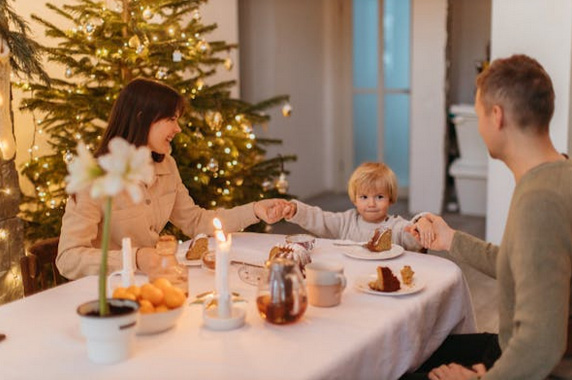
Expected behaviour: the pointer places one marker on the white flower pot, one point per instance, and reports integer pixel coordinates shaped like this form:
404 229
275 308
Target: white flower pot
109 338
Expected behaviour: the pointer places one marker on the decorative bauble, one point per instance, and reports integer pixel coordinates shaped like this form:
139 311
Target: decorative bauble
266 185
238 181
287 110
68 157
199 84
213 165
198 135
196 15
177 56
148 14
161 73
68 72
282 184
246 126
203 46
89 28
134 42
214 119
228 64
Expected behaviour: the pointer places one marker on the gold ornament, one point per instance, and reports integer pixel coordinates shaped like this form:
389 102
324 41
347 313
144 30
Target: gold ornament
228 64
246 126
148 14
203 46
134 42
214 119
282 184
213 165
266 185
161 73
196 15
287 110
238 181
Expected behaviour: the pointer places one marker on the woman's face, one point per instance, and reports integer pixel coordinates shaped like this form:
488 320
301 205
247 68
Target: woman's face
162 133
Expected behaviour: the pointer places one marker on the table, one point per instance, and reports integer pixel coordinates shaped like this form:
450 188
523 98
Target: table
365 337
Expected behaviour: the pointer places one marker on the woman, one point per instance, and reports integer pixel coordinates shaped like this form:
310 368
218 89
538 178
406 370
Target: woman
145 113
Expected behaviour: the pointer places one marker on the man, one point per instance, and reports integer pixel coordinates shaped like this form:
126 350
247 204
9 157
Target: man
514 104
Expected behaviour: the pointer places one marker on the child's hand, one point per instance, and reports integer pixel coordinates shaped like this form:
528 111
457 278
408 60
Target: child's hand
424 232
289 210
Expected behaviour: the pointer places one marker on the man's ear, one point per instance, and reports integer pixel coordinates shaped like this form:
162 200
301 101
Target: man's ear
498 117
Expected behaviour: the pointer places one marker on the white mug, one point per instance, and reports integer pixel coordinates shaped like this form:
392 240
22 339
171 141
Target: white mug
325 282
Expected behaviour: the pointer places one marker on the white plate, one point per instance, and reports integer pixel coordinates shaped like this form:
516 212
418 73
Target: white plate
363 253
362 284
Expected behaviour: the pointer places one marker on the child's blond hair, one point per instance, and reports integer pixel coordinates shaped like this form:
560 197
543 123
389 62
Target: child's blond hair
373 176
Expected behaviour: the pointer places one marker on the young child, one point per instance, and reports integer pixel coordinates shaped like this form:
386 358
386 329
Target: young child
372 188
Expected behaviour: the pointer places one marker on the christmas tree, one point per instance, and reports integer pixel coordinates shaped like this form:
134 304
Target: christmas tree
221 160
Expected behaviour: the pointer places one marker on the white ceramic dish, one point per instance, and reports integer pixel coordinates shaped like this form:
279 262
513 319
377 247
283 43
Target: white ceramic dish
154 323
363 253
362 284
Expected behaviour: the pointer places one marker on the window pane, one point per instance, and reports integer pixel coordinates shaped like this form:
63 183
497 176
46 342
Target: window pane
365 43
396 30
396 136
365 128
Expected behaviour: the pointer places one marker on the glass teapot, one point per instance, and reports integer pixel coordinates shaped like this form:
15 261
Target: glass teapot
281 296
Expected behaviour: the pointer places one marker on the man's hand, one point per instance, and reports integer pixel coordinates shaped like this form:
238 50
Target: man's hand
443 234
270 210
456 371
290 210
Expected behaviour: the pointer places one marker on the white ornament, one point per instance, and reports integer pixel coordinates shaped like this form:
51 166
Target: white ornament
148 14
282 184
177 56
213 165
203 46
287 110
228 64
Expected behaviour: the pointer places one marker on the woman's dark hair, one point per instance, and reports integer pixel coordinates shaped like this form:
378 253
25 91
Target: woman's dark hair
141 103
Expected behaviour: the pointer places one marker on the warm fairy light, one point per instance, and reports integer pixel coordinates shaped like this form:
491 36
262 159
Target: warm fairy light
3 234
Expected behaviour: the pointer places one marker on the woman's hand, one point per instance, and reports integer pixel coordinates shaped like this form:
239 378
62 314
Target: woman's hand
270 210
290 210
456 371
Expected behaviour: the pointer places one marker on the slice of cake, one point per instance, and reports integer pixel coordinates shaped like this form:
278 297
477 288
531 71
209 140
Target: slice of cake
293 252
386 281
199 246
380 241
407 275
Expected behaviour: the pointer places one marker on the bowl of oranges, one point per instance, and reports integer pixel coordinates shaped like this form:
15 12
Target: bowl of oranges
160 304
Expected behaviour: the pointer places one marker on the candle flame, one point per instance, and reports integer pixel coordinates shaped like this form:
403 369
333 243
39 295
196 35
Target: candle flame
219 235
217 224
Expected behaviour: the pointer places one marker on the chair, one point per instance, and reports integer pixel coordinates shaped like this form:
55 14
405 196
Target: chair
39 271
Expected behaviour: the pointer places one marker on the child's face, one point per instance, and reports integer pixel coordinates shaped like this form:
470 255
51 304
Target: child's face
372 205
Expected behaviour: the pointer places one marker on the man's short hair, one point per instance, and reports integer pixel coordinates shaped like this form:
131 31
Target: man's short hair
373 176
522 87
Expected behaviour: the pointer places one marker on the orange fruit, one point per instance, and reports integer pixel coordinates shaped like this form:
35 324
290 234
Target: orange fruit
146 307
152 294
174 297
162 283
161 308
135 290
123 293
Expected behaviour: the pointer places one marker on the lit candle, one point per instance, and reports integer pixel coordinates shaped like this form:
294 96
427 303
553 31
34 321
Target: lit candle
221 269
127 277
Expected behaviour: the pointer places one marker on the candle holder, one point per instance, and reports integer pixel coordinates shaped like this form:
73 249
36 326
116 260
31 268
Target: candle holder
232 317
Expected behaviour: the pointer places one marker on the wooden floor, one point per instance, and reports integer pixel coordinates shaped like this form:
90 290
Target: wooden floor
483 288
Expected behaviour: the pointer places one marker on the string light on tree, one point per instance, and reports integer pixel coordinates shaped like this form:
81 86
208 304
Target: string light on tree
287 110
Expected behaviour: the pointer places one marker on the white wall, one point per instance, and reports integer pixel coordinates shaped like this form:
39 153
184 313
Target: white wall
222 12
282 52
428 108
543 30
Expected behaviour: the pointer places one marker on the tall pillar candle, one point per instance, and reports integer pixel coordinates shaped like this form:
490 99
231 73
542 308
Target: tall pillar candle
223 244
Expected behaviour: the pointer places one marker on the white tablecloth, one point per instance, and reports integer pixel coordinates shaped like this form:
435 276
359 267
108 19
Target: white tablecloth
365 337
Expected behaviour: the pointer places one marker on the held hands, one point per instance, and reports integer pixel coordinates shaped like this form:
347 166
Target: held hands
456 371
271 210
442 233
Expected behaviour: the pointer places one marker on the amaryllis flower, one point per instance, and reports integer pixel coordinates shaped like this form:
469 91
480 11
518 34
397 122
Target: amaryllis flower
126 168
83 170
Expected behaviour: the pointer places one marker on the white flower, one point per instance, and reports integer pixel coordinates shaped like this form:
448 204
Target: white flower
125 167
83 170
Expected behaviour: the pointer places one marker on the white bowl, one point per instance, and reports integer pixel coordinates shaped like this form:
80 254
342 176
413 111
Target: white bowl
154 323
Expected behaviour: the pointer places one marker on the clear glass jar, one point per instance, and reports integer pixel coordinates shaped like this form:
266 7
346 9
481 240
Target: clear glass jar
170 268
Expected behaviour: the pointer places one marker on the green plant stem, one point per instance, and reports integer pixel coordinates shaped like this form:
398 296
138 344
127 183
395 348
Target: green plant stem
103 306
